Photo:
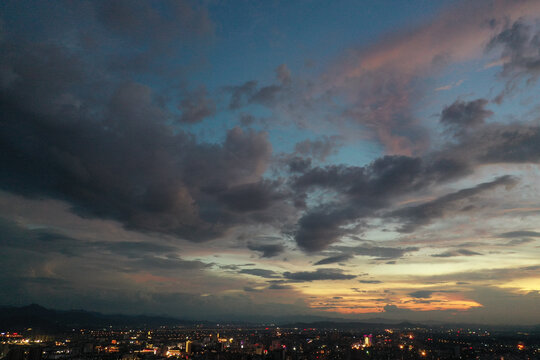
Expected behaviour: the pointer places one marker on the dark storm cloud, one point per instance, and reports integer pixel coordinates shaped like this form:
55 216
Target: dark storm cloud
119 161
319 274
320 148
414 216
334 259
196 106
268 274
462 115
369 281
267 250
459 252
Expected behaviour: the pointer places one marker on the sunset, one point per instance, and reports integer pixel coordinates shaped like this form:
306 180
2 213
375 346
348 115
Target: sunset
272 161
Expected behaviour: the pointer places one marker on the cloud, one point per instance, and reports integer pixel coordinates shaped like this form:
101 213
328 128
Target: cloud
279 287
422 294
515 242
362 191
168 263
133 255
414 216
39 240
450 86
298 164
520 233
267 250
496 143
489 276
133 249
460 252
320 148
250 93
266 95
252 196
196 106
264 273
370 281
391 308
319 274
379 252
519 53
334 259
119 158
462 115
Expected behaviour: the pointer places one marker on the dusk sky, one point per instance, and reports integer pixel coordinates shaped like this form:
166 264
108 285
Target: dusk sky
253 160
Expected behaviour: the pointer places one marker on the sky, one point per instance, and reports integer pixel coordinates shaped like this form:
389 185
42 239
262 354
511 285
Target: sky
262 160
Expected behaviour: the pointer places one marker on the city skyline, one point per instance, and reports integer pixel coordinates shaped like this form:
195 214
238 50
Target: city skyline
258 159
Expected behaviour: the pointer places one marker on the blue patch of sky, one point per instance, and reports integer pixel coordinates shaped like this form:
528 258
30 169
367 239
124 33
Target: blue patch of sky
255 37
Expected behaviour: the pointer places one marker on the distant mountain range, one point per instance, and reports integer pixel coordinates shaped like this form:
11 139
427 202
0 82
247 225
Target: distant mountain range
47 320
39 318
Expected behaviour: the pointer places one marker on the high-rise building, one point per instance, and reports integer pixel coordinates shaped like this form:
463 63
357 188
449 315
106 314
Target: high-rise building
189 345
368 340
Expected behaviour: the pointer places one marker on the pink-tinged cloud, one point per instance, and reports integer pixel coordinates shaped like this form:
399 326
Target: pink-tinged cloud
457 34
382 82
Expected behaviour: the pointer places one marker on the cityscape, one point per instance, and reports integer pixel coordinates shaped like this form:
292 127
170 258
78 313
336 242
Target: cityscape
269 179
271 342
